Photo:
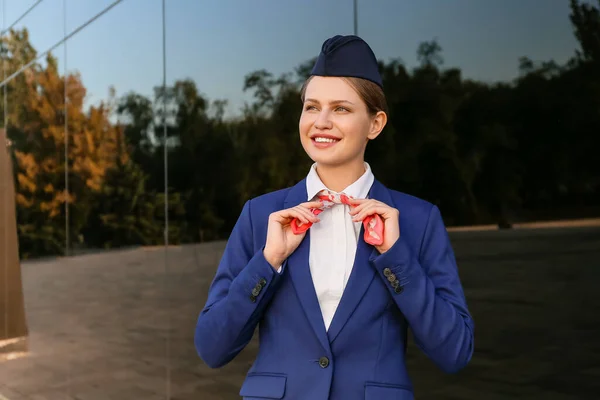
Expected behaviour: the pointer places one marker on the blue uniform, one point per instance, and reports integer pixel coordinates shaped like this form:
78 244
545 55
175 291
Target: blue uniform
362 356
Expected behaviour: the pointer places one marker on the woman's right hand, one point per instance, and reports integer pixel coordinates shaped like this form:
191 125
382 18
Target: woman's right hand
281 241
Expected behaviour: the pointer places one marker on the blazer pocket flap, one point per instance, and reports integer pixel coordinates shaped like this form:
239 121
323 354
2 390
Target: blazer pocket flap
378 391
268 386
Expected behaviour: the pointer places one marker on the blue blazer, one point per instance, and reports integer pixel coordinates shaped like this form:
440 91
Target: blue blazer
362 356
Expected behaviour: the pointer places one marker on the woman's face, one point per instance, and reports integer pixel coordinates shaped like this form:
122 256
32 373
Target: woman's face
335 124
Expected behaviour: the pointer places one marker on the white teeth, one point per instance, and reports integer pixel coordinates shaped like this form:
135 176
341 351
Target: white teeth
324 140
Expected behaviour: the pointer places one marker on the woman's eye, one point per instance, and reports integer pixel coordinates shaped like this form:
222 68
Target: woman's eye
344 109
307 108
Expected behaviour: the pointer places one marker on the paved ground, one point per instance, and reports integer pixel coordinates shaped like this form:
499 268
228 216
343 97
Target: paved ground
99 324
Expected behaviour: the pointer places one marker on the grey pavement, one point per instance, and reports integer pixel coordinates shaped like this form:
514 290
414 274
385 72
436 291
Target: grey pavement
99 323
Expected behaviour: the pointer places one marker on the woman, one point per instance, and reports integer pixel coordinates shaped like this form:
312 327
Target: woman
335 269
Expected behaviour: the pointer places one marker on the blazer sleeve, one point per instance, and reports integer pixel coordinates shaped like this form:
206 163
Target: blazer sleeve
239 293
427 289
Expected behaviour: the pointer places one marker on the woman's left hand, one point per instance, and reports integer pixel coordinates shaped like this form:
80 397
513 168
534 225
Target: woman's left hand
391 227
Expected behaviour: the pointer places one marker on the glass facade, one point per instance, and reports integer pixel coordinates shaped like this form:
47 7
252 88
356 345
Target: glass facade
134 131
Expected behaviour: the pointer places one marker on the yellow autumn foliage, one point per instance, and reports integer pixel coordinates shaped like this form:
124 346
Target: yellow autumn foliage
39 115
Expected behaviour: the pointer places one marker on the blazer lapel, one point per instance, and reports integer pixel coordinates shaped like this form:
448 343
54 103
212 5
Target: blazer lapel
299 270
362 272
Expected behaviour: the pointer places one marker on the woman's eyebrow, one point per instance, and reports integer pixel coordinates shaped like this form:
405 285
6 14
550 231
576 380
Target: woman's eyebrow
331 102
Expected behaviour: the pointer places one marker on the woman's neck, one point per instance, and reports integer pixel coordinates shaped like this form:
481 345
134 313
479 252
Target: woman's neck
339 177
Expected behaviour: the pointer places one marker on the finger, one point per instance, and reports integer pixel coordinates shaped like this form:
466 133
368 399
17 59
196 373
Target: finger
302 214
312 204
370 211
369 203
285 216
306 212
358 201
310 207
303 206
303 218
361 213
384 212
360 207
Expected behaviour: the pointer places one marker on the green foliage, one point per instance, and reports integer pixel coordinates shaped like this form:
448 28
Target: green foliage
483 153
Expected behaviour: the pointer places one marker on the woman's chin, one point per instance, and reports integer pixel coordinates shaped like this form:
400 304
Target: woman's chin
330 162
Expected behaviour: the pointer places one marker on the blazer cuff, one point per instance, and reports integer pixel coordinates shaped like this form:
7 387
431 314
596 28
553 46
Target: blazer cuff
396 266
256 278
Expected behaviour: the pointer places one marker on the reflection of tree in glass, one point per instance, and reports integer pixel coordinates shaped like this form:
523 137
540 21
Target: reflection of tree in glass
483 152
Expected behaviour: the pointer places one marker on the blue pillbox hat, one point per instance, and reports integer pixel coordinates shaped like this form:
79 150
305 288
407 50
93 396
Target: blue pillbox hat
347 56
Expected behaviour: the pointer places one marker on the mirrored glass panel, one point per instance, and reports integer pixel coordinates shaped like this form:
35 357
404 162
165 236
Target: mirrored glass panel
136 137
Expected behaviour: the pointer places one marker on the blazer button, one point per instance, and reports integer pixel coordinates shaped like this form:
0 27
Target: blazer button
256 291
324 362
387 272
399 289
262 282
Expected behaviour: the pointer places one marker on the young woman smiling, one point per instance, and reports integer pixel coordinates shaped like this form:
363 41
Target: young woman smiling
335 269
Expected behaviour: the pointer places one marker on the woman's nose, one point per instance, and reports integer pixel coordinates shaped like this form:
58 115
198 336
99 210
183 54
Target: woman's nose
323 121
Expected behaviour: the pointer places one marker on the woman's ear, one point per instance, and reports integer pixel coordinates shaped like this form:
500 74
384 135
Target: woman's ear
377 124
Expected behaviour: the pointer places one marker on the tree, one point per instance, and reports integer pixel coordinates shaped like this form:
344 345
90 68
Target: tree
586 22
430 54
482 152
40 155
